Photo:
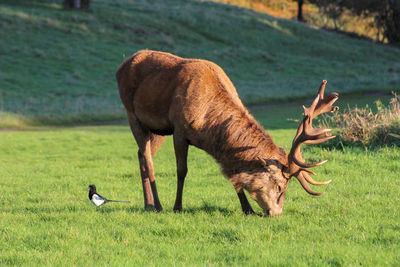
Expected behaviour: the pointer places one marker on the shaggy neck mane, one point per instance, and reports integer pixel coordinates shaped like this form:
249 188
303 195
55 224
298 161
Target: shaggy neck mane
236 138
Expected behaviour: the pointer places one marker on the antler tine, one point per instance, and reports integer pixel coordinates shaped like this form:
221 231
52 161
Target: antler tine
310 110
325 105
305 185
312 181
321 89
308 135
299 161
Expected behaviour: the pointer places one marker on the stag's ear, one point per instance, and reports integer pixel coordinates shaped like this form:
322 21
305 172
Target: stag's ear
263 162
271 164
283 161
266 163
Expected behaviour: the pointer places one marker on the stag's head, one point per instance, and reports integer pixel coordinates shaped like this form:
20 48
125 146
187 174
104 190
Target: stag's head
268 187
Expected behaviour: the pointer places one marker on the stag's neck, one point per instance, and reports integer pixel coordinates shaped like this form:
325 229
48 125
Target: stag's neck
238 142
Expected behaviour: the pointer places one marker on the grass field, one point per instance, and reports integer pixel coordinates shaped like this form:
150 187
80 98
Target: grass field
57 70
47 218
57 66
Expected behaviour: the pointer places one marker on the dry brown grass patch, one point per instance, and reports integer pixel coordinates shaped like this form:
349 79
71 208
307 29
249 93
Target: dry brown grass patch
365 127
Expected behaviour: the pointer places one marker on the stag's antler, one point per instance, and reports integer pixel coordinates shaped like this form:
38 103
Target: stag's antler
308 135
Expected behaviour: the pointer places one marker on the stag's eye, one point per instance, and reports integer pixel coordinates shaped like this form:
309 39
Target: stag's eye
279 199
279 188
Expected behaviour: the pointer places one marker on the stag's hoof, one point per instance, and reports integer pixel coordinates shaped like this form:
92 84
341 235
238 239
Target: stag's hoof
153 208
177 209
249 212
159 208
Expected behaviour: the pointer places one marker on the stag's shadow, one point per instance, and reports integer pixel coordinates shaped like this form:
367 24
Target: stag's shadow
204 208
209 209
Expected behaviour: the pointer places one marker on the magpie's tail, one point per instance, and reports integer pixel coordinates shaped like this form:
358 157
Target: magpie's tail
109 200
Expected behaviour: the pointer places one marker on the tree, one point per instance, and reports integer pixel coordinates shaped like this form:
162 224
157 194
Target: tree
331 8
300 10
385 12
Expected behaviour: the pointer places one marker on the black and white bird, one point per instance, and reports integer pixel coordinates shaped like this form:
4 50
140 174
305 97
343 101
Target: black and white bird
97 199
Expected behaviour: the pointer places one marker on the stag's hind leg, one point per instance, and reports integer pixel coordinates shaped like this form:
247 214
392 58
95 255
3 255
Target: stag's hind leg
156 142
181 146
145 139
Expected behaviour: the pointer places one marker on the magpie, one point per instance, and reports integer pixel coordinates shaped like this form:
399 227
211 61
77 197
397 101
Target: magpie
97 199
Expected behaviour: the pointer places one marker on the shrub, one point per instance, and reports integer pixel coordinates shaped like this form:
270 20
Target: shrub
362 126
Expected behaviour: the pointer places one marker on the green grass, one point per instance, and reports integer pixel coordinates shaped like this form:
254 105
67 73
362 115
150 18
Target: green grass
57 66
47 219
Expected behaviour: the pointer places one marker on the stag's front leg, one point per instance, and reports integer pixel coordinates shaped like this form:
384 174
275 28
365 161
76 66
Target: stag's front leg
246 207
143 139
181 151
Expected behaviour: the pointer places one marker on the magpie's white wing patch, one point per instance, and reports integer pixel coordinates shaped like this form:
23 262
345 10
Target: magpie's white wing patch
98 201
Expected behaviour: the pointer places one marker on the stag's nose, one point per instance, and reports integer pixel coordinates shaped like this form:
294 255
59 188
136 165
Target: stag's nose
274 212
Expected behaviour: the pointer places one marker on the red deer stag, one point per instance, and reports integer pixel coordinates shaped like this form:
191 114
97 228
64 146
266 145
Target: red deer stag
194 100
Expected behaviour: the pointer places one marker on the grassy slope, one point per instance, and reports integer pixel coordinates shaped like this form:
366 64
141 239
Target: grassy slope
46 217
58 66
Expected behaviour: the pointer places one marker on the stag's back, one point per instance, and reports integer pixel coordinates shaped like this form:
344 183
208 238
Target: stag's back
167 93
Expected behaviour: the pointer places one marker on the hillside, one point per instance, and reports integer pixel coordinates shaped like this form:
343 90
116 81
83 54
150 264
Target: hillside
57 66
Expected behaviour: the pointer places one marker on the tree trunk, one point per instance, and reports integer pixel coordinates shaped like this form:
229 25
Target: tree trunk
300 10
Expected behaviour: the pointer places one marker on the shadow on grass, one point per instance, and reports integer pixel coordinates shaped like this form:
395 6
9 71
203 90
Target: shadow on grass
209 209
133 209
204 208
127 175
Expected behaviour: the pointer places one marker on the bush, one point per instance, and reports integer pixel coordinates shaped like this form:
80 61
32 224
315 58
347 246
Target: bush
362 126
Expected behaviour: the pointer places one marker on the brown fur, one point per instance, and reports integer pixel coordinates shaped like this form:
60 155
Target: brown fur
196 102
